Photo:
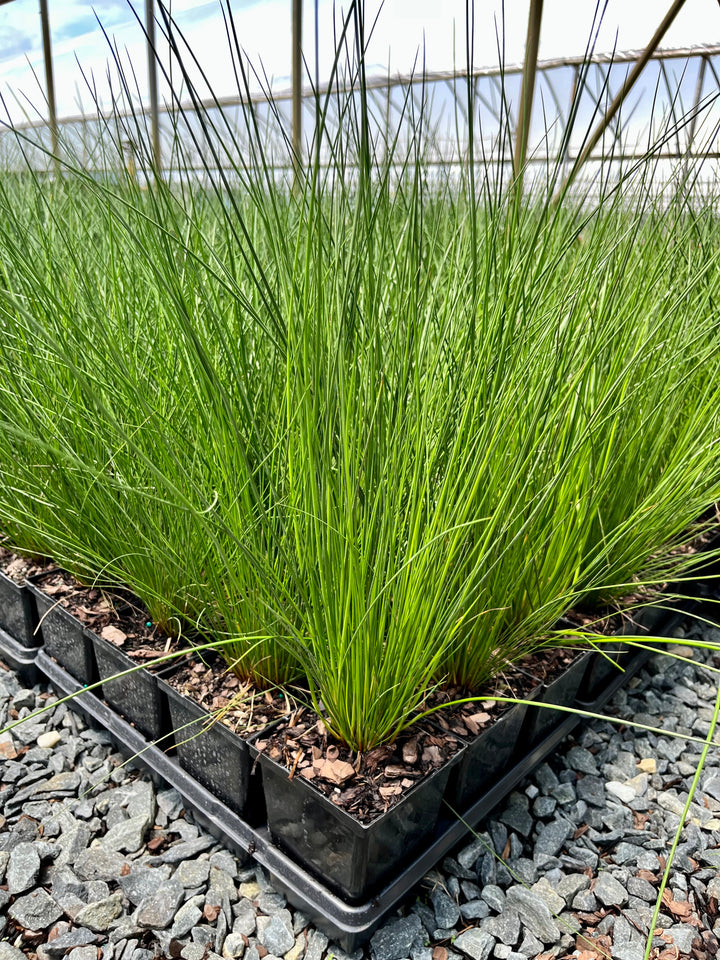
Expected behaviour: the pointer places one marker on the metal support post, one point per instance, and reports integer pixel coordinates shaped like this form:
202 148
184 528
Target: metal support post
297 87
528 88
50 85
152 83
625 90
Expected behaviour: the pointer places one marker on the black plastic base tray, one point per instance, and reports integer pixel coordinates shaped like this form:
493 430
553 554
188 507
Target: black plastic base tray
349 925
20 659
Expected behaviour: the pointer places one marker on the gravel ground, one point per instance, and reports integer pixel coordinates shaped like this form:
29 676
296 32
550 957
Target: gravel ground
98 863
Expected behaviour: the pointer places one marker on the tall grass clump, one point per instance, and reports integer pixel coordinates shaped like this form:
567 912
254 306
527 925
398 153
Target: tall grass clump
379 427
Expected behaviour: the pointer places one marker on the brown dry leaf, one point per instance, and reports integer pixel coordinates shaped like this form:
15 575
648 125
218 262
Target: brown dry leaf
337 771
113 635
670 954
431 754
439 953
647 875
580 831
481 717
307 773
125 870
640 819
8 751
410 751
679 908
52 589
16 568
506 850
476 722
394 772
386 792
211 912
155 843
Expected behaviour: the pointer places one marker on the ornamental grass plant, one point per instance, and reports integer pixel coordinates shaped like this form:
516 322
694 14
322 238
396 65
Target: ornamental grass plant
380 427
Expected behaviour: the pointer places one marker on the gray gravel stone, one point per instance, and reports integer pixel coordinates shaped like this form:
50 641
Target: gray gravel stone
234 946
516 814
534 913
543 807
569 886
8 952
591 789
494 896
23 868
580 759
58 947
469 855
192 873
186 919
447 912
158 910
474 910
475 943
551 838
86 953
544 889
221 885
244 914
609 891
584 901
35 911
142 882
99 863
394 940
683 935
637 887
505 928
628 951
128 836
316 945
98 916
187 850
274 935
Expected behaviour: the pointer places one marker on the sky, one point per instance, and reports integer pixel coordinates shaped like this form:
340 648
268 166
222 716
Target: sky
406 32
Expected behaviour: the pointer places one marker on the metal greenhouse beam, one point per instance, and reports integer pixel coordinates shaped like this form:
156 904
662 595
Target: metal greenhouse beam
152 83
297 86
528 87
50 84
630 81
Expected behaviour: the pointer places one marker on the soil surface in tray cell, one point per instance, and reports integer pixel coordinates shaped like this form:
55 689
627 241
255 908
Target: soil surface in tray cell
17 568
469 719
364 785
242 707
606 621
116 616
548 665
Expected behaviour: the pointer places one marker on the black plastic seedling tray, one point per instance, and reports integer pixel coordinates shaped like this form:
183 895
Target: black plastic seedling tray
18 613
19 658
350 925
63 636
